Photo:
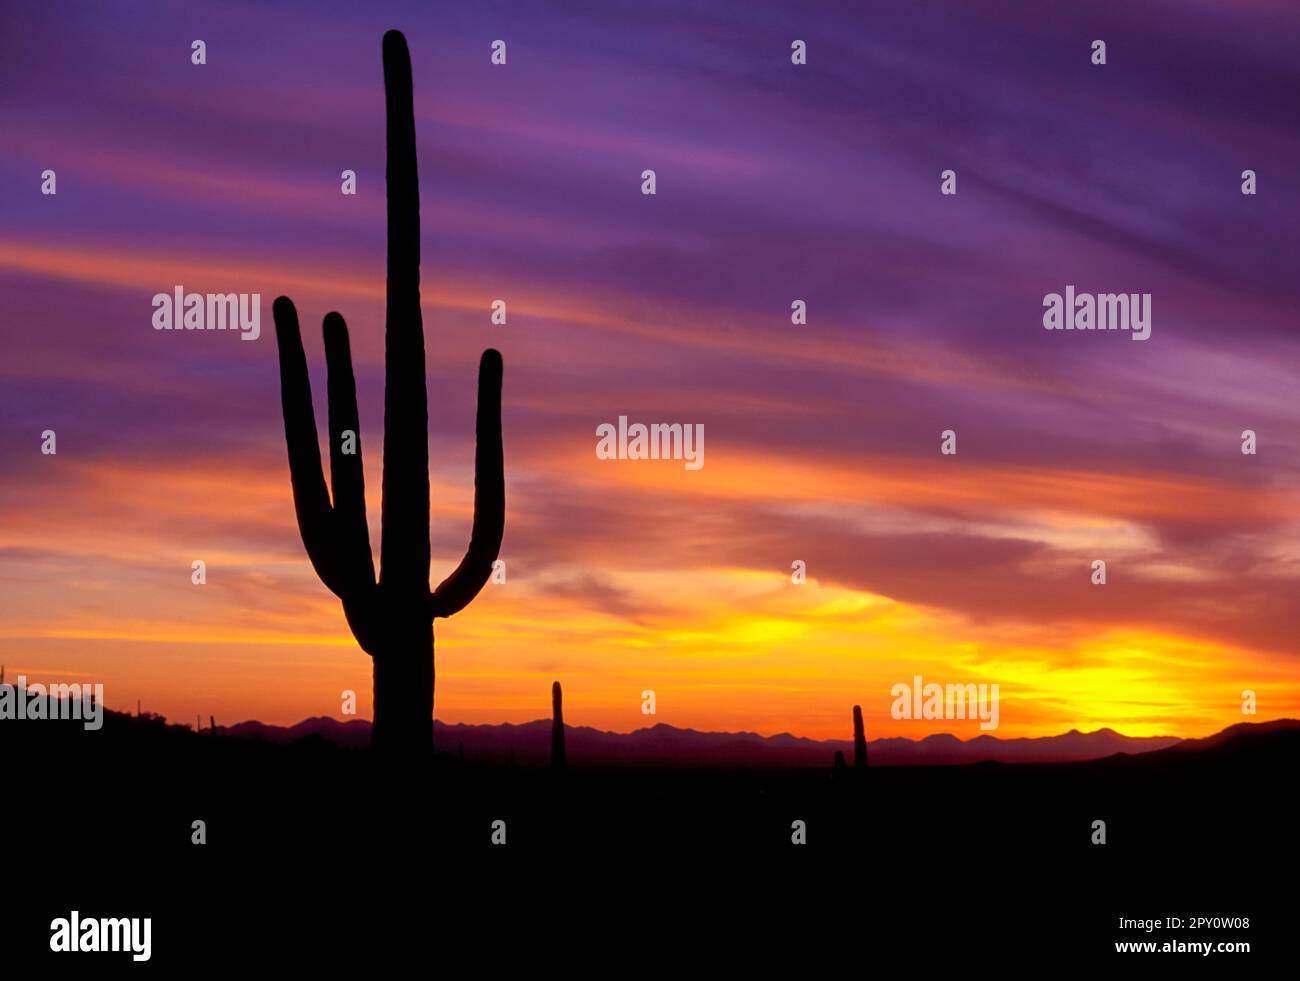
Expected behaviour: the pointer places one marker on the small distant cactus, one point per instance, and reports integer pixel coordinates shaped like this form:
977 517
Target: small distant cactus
859 740
212 724
557 727
840 766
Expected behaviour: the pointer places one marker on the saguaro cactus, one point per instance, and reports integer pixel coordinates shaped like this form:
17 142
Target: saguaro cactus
392 619
557 727
859 740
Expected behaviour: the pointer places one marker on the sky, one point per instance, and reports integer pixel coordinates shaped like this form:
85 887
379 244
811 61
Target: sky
775 182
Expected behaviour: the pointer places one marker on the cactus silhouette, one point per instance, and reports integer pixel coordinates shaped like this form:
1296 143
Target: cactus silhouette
840 766
392 619
859 740
557 727
212 724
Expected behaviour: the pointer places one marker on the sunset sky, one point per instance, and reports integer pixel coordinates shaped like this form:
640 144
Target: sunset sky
775 182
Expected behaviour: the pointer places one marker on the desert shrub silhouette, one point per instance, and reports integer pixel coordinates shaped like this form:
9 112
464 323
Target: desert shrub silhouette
392 619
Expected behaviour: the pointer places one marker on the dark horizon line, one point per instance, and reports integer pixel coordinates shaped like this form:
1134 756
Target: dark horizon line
848 740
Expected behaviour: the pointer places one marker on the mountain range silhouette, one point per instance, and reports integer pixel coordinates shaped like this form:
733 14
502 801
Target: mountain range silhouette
663 745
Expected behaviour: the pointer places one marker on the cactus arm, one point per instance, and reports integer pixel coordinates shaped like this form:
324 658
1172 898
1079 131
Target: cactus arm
347 476
310 499
458 589
404 542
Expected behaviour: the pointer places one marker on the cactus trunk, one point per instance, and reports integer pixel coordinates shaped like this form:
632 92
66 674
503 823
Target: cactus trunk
557 727
859 740
404 700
